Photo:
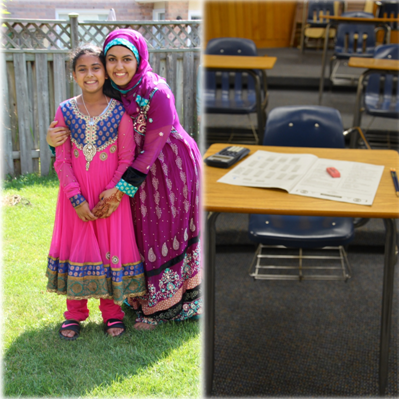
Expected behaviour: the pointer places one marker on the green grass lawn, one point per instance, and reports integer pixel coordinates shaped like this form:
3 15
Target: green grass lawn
36 362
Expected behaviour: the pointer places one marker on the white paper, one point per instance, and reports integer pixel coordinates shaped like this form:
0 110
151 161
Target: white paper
306 175
270 169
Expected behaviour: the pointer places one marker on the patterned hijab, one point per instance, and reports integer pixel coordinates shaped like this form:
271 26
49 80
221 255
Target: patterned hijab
136 43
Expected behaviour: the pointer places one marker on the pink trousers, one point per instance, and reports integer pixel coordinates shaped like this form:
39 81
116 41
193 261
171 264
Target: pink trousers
77 310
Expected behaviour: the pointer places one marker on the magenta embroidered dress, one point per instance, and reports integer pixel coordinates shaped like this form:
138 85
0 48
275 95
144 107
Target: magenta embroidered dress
164 181
95 259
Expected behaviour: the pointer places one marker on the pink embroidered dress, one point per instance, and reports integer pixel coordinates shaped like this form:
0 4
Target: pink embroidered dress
95 259
164 183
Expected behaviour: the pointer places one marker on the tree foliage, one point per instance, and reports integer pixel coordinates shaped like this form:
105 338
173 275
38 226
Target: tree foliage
3 7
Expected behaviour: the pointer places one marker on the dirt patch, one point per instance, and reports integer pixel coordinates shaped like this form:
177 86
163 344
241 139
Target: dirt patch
15 199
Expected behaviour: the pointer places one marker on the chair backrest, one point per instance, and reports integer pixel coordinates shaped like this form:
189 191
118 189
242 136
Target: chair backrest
357 14
382 91
230 46
355 39
317 9
389 9
304 126
387 51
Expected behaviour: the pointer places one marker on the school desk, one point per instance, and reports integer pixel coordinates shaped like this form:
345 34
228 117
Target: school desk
219 197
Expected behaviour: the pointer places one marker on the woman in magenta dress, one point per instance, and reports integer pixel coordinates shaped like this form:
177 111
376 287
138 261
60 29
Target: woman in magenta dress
163 182
90 257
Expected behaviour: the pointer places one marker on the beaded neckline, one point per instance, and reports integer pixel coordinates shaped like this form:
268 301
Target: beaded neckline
107 111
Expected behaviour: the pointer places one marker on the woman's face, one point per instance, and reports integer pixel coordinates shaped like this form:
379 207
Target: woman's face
121 65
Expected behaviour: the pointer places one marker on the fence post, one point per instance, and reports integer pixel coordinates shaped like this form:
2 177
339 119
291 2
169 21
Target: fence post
7 136
156 62
25 136
73 20
171 71
188 84
43 107
198 78
59 79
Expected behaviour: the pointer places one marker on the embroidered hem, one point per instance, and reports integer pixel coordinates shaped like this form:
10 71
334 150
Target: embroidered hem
165 305
95 280
183 311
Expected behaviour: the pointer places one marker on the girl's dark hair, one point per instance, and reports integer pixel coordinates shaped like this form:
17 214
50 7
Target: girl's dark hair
89 48
109 91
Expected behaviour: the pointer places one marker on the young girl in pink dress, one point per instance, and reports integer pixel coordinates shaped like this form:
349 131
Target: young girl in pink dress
92 256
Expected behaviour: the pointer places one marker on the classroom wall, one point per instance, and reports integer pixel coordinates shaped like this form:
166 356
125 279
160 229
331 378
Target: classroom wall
267 23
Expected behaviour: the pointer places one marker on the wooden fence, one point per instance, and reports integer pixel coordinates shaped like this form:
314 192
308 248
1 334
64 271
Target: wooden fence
36 77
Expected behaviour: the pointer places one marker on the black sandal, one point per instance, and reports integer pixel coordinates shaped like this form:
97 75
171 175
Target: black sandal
114 323
71 325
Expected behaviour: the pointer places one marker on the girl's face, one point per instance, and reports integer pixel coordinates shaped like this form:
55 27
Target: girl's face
121 65
90 73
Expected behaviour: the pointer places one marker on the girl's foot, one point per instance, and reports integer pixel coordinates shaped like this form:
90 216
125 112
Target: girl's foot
68 333
114 327
69 330
114 332
144 326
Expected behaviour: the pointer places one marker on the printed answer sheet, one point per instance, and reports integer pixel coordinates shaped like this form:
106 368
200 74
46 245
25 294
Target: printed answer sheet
306 175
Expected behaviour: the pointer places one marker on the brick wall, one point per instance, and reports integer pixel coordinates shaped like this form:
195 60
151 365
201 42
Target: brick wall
174 9
45 9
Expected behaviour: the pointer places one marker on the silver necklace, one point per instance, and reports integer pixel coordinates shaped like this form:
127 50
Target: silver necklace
91 121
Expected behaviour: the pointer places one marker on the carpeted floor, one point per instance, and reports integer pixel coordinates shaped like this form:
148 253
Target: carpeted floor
314 338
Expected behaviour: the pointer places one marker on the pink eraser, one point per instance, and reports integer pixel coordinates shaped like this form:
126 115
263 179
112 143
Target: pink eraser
333 172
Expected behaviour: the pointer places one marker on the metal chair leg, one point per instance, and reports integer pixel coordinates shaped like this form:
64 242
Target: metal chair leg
323 64
209 305
390 259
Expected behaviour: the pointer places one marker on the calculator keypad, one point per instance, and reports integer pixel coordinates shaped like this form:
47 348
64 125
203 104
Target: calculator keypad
230 151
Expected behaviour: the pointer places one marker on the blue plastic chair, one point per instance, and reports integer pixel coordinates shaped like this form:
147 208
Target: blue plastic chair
351 40
302 126
381 97
354 40
389 9
243 85
378 92
316 10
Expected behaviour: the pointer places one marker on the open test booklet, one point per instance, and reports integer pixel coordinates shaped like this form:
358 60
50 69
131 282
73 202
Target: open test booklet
306 174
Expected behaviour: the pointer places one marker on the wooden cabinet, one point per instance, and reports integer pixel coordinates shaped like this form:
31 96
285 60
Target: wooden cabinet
267 23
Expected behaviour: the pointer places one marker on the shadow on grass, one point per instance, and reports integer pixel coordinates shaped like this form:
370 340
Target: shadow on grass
39 363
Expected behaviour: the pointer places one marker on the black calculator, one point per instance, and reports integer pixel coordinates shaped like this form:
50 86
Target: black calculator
227 157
